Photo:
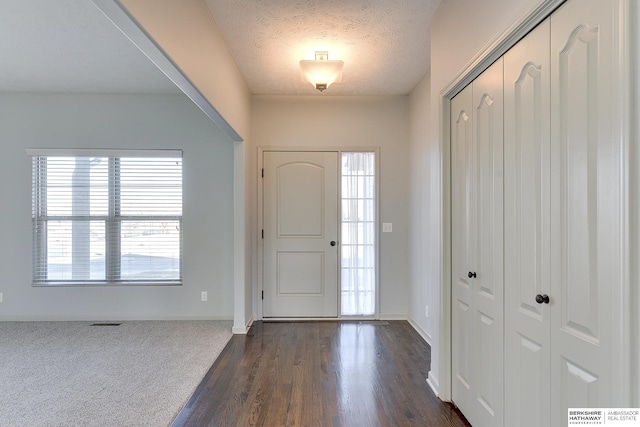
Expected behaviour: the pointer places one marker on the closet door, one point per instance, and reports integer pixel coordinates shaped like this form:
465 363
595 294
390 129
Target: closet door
464 235
477 173
527 229
586 207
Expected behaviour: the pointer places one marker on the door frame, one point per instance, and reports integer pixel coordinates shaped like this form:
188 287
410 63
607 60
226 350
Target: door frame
626 294
260 225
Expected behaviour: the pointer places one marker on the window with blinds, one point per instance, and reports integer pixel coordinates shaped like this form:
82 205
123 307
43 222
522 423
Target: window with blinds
103 217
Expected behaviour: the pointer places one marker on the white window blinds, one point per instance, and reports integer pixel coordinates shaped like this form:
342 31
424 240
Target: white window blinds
103 217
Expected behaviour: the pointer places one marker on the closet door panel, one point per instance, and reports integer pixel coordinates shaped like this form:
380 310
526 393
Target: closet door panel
477 249
587 207
488 286
527 229
464 229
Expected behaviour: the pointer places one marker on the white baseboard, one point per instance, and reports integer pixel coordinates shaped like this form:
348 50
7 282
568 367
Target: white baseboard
383 316
433 384
393 316
94 318
242 330
424 334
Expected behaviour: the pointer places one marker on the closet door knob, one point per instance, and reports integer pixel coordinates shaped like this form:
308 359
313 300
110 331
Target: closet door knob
471 274
542 299
333 243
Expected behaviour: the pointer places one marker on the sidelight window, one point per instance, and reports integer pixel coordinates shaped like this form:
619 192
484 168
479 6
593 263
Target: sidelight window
358 248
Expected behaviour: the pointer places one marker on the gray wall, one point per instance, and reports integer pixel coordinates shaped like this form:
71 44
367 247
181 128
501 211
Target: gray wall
420 293
118 121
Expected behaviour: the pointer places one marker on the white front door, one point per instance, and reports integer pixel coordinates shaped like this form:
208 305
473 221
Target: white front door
300 244
477 249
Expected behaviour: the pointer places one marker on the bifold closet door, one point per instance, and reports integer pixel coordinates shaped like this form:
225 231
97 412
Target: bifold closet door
527 212
563 213
586 178
477 249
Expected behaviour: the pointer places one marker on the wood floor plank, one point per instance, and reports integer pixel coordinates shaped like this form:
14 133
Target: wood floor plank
320 374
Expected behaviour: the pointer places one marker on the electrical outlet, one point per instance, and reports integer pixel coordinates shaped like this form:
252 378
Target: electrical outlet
203 296
426 311
1 299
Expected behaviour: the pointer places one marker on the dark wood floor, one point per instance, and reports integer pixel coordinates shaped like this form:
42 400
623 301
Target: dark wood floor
320 374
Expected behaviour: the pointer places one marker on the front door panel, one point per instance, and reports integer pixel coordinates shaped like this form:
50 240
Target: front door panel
300 222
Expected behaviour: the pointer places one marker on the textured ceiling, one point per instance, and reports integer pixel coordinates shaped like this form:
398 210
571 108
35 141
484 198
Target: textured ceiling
383 43
70 46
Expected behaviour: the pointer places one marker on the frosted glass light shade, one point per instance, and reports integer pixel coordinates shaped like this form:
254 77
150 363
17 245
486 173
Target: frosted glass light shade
321 73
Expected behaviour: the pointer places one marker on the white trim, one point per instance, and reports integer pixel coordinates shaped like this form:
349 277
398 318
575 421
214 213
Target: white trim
96 284
293 149
634 209
259 288
493 50
242 330
393 316
623 332
107 318
433 385
357 318
500 44
346 319
90 152
378 224
239 241
444 388
303 319
424 334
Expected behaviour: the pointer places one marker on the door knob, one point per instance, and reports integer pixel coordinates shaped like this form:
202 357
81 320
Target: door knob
333 243
542 299
471 274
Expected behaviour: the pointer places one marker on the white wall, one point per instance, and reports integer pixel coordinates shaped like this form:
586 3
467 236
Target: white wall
326 121
187 33
420 294
119 121
460 29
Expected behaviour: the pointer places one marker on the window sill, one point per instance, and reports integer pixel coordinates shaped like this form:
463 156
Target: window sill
102 284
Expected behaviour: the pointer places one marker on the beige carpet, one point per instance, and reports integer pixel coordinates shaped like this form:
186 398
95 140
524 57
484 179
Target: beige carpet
74 374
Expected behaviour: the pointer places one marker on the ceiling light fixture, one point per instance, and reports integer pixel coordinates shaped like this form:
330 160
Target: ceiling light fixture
321 73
